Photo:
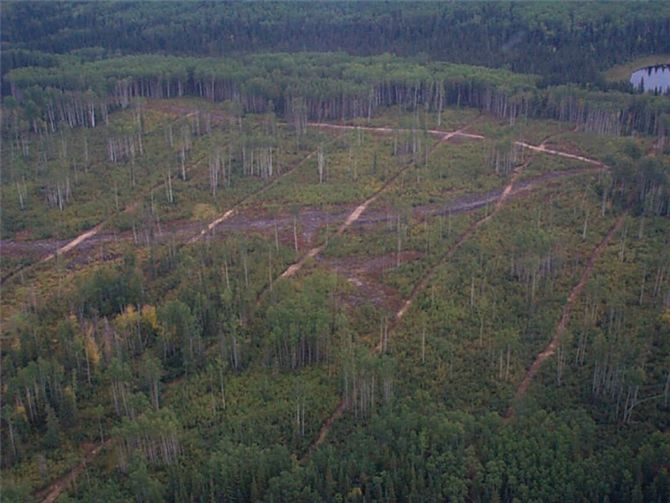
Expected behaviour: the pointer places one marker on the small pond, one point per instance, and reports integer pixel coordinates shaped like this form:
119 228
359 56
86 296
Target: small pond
652 79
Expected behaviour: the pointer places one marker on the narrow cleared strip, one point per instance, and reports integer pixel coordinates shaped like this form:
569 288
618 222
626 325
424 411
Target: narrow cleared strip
418 288
386 130
543 149
85 236
445 135
565 317
51 493
537 148
235 209
425 280
293 269
244 221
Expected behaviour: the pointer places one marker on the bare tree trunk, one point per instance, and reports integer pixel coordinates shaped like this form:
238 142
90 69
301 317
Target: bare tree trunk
423 346
270 266
320 162
276 237
399 245
295 233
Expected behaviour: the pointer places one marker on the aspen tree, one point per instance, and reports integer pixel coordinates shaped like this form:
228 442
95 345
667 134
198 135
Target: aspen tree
151 372
320 163
295 211
220 366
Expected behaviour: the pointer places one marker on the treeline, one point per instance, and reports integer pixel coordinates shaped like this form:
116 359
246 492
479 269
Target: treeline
330 86
410 453
562 42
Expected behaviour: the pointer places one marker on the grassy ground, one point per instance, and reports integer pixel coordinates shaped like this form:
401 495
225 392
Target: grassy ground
623 72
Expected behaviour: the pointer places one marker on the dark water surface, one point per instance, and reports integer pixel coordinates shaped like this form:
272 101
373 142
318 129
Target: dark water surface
652 79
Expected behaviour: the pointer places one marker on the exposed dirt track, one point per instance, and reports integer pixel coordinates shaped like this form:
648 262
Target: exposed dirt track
385 130
499 197
293 269
252 220
184 112
51 493
83 237
235 209
502 196
220 116
95 230
446 135
543 149
63 249
325 429
91 233
77 241
565 316
418 288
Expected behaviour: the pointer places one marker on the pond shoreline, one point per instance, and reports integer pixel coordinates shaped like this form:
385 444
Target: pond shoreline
651 79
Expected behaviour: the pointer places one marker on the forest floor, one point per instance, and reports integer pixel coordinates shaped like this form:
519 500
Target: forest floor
624 71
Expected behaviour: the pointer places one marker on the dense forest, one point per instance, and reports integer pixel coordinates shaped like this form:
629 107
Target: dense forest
321 86
568 42
334 251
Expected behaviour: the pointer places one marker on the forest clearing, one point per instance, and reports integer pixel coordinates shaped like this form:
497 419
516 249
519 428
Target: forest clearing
320 225
435 271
